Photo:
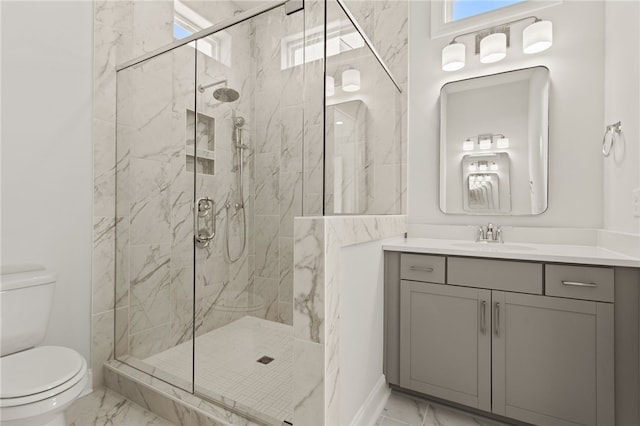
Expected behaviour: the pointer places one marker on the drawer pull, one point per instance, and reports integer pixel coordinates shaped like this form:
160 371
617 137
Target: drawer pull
483 317
578 284
419 268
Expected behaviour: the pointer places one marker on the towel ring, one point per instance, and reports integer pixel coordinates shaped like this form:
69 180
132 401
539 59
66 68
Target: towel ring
614 131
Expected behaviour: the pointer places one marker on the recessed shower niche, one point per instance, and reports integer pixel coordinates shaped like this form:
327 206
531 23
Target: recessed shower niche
200 156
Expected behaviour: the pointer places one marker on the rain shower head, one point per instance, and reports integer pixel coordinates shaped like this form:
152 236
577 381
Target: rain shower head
226 94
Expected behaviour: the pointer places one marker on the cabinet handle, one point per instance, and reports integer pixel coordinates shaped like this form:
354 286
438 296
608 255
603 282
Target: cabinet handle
497 320
483 317
578 284
419 268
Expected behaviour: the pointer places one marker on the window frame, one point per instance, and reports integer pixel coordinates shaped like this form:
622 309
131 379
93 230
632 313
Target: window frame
440 9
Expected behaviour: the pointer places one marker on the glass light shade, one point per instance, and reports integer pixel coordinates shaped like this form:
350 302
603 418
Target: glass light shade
494 167
503 143
482 167
453 57
467 145
351 80
473 167
485 143
537 37
493 48
330 89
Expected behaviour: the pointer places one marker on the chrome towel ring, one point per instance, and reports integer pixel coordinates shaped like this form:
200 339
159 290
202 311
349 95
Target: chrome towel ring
613 131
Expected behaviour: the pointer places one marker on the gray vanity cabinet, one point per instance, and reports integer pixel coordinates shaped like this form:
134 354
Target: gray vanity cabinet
445 342
534 357
552 360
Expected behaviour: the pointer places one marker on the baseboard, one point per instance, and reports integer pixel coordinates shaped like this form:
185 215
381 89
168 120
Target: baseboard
374 404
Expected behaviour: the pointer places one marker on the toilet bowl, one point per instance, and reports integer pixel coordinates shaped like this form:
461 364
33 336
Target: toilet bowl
37 382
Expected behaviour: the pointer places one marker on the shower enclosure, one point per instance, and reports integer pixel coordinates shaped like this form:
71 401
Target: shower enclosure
216 154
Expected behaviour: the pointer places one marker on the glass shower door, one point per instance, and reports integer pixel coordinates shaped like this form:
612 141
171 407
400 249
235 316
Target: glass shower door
155 132
249 164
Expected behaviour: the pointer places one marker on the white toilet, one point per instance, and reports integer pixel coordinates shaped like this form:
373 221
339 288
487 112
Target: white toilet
36 383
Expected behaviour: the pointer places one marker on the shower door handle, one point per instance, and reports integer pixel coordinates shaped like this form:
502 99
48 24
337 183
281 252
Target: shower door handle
204 208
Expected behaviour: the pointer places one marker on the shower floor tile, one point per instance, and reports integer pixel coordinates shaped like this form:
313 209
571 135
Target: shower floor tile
226 365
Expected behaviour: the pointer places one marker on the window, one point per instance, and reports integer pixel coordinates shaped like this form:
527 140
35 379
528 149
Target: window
465 8
341 37
187 22
453 17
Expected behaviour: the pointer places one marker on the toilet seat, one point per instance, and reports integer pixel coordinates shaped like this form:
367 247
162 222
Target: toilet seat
38 374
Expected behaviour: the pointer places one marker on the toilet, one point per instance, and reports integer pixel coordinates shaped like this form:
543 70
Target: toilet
37 383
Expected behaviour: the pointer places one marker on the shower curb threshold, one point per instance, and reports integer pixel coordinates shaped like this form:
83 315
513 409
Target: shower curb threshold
175 404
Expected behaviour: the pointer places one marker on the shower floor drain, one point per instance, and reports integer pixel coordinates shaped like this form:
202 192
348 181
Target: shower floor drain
265 360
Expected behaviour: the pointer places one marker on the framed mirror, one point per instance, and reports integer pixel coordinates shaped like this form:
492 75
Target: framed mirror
494 144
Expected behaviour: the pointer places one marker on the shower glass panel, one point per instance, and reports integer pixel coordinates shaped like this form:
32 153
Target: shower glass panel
155 132
244 277
209 180
362 170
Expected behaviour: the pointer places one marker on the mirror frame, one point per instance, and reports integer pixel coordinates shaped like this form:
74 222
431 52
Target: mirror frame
545 132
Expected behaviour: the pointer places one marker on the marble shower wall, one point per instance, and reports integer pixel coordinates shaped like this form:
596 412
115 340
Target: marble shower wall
124 30
278 160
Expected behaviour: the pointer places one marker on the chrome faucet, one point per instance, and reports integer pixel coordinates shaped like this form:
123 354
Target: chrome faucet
489 234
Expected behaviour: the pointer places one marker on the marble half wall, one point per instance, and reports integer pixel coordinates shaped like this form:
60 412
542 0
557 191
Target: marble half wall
316 318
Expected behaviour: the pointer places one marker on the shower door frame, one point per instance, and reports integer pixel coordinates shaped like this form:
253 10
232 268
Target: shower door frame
291 6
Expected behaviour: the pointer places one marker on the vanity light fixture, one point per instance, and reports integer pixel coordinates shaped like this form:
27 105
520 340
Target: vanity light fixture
468 145
330 86
351 80
485 141
502 142
491 43
493 167
493 48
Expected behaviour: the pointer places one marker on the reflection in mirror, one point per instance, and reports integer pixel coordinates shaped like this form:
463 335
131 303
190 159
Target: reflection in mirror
494 144
346 124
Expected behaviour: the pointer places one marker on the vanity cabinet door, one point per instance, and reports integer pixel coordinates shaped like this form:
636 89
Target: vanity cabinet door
445 342
552 360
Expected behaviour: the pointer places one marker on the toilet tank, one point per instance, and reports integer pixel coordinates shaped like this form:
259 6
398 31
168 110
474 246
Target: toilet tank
26 294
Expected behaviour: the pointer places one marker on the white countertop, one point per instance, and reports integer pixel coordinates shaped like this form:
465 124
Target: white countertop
582 254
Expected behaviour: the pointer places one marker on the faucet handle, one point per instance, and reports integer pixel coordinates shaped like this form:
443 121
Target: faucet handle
480 235
498 236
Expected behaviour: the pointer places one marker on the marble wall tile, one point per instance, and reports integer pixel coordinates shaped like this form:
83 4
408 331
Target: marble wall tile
181 305
267 246
152 25
308 384
121 345
150 287
290 191
308 279
101 343
122 252
150 342
267 288
102 274
267 183
285 293
150 202
104 168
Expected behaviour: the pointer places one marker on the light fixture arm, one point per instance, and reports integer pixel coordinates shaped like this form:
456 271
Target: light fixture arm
495 27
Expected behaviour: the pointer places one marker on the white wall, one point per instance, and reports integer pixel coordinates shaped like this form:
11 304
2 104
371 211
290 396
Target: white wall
46 153
361 325
576 116
622 103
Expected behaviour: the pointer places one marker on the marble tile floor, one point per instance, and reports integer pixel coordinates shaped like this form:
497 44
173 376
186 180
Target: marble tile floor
406 410
226 364
104 407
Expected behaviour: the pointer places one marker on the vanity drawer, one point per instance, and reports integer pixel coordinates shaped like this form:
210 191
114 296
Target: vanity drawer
522 277
579 282
420 267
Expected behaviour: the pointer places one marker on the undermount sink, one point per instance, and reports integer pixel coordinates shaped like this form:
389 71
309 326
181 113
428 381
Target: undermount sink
494 246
